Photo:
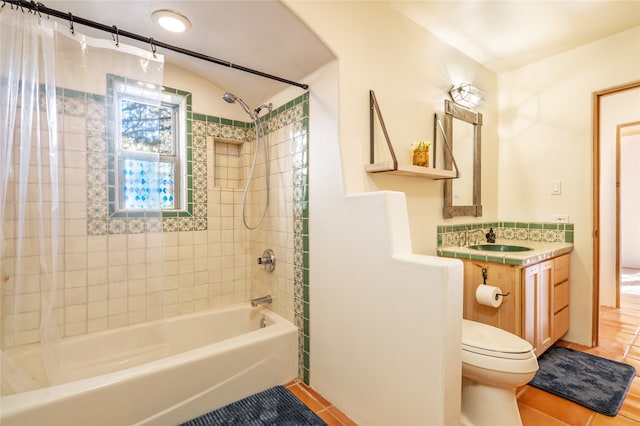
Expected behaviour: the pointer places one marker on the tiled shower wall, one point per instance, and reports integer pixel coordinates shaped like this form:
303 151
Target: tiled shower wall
115 270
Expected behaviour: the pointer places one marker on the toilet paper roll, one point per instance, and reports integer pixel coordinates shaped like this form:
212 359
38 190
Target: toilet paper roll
489 295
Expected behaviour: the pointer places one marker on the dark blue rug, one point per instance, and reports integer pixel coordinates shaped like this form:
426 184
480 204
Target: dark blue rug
589 380
274 407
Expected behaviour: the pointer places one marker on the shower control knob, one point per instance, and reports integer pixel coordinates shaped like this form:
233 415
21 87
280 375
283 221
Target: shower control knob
268 260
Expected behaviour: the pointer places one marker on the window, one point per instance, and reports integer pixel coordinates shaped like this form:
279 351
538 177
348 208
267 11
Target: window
150 150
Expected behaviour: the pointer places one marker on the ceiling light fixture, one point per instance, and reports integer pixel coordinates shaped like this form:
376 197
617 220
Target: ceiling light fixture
171 20
466 95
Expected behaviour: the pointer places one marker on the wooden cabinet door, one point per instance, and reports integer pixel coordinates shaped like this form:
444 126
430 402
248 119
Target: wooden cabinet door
530 305
507 315
537 309
545 307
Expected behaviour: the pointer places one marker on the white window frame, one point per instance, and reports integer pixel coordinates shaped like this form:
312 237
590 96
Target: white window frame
136 93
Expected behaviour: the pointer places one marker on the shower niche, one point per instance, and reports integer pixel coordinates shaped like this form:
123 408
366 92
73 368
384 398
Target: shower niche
228 162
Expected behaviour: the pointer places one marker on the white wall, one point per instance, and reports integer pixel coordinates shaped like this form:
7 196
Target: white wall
615 109
385 323
630 201
546 134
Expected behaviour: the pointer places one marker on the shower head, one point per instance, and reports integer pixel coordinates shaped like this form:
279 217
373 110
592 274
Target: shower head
231 98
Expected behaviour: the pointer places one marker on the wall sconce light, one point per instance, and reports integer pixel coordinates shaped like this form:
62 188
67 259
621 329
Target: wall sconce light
466 95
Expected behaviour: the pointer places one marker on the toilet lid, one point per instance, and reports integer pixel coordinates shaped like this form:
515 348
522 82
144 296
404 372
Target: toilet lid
483 338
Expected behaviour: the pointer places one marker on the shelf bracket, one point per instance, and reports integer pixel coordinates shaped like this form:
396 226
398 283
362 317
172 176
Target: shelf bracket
374 107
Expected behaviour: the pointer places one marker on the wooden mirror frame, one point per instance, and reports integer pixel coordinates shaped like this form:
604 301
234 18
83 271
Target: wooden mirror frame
452 111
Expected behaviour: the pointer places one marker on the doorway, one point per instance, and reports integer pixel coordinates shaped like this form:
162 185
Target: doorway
628 207
615 112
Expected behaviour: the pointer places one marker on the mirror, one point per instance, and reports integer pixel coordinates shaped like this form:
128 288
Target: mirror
463 129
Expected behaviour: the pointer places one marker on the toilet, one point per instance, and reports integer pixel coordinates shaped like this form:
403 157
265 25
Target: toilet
494 363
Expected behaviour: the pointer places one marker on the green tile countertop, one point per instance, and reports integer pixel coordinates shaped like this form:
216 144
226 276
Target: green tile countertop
541 251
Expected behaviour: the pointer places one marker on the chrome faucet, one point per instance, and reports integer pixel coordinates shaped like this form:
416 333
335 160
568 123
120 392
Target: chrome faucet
475 231
261 300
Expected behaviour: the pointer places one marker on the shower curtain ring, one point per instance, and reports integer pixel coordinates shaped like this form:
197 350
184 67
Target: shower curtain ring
153 47
116 36
73 31
36 8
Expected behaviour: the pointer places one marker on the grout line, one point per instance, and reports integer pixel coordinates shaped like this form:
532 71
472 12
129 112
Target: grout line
633 341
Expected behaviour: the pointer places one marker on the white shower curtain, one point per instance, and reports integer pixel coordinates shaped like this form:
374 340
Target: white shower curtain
33 51
29 192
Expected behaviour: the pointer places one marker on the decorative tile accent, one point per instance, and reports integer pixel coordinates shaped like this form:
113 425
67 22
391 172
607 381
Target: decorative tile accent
449 235
296 112
101 168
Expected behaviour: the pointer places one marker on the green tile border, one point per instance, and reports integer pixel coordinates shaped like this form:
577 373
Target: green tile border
112 214
302 303
532 231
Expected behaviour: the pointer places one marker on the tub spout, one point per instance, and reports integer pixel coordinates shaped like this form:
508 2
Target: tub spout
261 300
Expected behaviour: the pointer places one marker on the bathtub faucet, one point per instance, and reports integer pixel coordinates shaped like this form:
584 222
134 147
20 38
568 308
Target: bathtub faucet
261 300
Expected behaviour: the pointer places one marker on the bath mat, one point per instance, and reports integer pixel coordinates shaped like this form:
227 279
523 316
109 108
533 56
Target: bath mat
589 380
275 406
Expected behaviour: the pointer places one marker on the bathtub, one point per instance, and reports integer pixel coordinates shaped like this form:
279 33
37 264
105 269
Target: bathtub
161 373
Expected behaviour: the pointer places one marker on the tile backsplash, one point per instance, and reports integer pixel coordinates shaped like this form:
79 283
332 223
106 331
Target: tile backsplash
449 235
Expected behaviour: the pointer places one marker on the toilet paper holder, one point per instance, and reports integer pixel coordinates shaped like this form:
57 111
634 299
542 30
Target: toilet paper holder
484 281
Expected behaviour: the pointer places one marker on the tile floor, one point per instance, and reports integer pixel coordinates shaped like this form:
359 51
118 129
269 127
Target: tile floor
319 405
619 340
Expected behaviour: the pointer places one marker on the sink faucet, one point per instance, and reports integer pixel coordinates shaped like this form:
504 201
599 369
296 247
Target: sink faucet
475 231
261 300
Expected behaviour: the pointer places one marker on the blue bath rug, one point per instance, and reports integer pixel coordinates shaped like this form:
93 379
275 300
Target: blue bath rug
589 380
274 407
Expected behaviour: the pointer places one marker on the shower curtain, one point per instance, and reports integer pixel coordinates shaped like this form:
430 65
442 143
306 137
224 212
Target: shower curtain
39 60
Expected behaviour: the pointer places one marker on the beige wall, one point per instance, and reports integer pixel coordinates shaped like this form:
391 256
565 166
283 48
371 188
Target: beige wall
546 134
355 298
630 200
410 71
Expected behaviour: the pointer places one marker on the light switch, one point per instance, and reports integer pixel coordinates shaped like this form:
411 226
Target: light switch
556 187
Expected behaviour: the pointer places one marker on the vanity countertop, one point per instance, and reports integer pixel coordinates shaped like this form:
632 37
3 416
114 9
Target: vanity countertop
541 251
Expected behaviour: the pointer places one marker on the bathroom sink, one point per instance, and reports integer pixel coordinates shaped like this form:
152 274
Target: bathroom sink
499 247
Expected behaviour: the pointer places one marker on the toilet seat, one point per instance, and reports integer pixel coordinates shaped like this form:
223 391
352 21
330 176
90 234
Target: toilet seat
491 341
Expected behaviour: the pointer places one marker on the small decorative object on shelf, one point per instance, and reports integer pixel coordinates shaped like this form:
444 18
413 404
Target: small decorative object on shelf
421 154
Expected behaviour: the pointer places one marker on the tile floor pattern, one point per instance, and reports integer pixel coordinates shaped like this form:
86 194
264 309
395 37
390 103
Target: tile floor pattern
619 340
319 405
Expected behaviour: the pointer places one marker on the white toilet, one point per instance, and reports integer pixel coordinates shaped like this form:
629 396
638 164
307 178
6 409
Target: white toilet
494 363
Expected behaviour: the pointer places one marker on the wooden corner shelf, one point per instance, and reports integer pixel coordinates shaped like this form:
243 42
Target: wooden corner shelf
392 167
410 170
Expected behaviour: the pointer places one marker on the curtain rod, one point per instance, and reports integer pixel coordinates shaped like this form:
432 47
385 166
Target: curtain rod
116 32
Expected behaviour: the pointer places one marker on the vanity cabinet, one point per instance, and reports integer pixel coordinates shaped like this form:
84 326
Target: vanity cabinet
537 323
537 307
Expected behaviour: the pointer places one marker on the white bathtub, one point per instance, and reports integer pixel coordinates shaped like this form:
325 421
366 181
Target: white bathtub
159 373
